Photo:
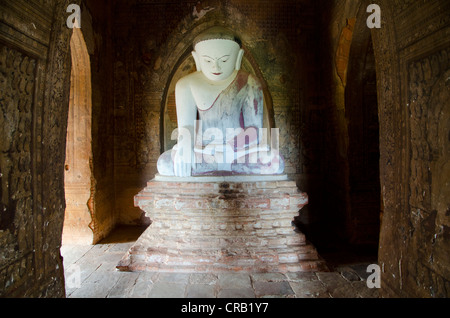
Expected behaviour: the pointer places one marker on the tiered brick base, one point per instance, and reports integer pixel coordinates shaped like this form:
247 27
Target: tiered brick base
221 226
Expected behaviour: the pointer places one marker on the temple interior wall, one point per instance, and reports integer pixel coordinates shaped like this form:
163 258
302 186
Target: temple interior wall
305 51
411 62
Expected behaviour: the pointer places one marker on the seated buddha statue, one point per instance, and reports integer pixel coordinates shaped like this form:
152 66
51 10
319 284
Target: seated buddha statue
220 116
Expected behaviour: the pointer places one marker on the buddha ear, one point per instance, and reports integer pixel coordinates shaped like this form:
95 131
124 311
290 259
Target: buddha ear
197 61
239 59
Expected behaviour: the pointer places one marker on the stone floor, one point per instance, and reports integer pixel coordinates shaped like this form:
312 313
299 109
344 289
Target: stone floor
90 273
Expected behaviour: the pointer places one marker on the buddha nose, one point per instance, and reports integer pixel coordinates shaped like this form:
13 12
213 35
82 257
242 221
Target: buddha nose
217 66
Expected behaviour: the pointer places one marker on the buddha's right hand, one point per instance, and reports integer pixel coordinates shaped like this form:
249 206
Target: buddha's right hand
182 165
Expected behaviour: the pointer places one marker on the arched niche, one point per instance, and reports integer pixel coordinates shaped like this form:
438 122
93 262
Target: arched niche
186 66
363 151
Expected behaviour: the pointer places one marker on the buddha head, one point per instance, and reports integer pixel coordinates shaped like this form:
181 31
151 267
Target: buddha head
217 53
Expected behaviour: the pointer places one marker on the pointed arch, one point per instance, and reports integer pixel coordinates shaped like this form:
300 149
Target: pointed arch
363 150
78 179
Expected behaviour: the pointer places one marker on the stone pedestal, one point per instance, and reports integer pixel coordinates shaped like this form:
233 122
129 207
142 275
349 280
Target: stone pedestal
210 224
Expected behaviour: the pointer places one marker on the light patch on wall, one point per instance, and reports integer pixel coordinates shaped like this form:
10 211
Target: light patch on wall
343 50
200 11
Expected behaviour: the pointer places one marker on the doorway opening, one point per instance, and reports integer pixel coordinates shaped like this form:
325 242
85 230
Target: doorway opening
78 221
364 207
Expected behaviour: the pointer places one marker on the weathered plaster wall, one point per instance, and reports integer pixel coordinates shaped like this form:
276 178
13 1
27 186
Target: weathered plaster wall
411 52
35 63
34 84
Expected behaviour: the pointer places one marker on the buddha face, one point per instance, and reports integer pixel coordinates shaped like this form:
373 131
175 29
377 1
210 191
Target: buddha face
218 59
